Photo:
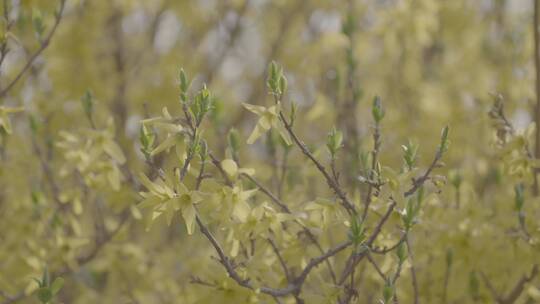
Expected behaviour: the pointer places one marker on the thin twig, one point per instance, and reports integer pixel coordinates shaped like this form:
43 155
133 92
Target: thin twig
413 271
536 25
379 271
375 154
280 258
44 44
331 182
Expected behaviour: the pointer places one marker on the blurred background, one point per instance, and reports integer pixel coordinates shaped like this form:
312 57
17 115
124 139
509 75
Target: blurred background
432 62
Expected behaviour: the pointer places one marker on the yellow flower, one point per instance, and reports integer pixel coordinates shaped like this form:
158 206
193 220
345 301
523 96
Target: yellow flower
5 123
268 118
166 197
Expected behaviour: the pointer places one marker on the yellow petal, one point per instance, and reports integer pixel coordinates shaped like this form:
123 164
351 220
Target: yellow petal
165 145
283 133
257 132
189 214
155 189
230 167
259 110
241 211
114 151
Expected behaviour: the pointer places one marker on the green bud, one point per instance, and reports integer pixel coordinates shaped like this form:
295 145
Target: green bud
449 257
195 144
46 290
348 26
202 105
519 197
37 22
444 140
455 178
57 285
282 84
356 232
292 114
377 110
203 150
474 285
88 104
146 139
45 281
34 124
273 71
412 208
184 85
401 253
410 151
334 141
276 81
388 292
234 140
44 295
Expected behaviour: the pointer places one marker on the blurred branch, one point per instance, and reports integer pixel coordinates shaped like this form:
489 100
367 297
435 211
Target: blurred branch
374 161
275 48
515 292
349 206
44 44
536 24
234 33
354 259
413 271
81 260
280 258
9 23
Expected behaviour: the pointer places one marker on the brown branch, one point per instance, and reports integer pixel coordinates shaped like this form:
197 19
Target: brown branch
286 209
419 182
217 164
9 23
354 259
375 153
536 25
413 271
515 292
81 260
520 286
264 190
281 260
446 283
494 294
349 206
44 44
292 288
234 33
385 250
379 271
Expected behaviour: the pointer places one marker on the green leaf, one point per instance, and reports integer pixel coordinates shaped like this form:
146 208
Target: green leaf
37 22
57 285
444 140
377 110
87 101
44 294
388 292
401 252
334 141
